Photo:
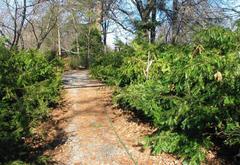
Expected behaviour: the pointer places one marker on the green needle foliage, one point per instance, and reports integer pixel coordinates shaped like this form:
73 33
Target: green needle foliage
191 94
29 86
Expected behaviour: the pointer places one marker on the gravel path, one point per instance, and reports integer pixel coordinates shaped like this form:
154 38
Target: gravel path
91 137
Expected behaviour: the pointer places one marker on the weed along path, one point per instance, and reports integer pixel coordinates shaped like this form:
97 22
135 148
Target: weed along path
97 132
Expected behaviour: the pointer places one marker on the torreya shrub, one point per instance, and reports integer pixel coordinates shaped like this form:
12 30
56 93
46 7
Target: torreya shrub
191 93
29 84
219 39
108 66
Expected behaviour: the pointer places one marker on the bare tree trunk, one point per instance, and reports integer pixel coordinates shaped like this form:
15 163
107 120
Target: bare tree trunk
76 31
22 22
149 61
174 21
15 23
153 28
59 41
105 36
103 21
78 46
18 30
88 47
22 43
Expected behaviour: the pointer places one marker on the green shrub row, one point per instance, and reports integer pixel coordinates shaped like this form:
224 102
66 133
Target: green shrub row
30 83
191 92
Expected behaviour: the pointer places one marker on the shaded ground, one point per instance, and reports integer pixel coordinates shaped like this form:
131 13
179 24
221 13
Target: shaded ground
98 133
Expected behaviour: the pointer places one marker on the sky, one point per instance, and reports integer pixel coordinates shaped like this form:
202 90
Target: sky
126 37
118 32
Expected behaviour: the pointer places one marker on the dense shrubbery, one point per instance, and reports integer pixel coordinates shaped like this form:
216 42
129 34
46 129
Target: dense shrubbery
107 68
191 95
29 85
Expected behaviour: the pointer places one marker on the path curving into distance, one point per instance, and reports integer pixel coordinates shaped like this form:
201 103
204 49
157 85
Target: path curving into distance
96 135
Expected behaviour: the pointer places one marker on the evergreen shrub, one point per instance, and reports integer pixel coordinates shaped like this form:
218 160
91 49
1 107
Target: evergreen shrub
29 85
191 93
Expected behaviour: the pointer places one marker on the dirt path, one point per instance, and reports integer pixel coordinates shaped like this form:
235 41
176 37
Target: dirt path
97 133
